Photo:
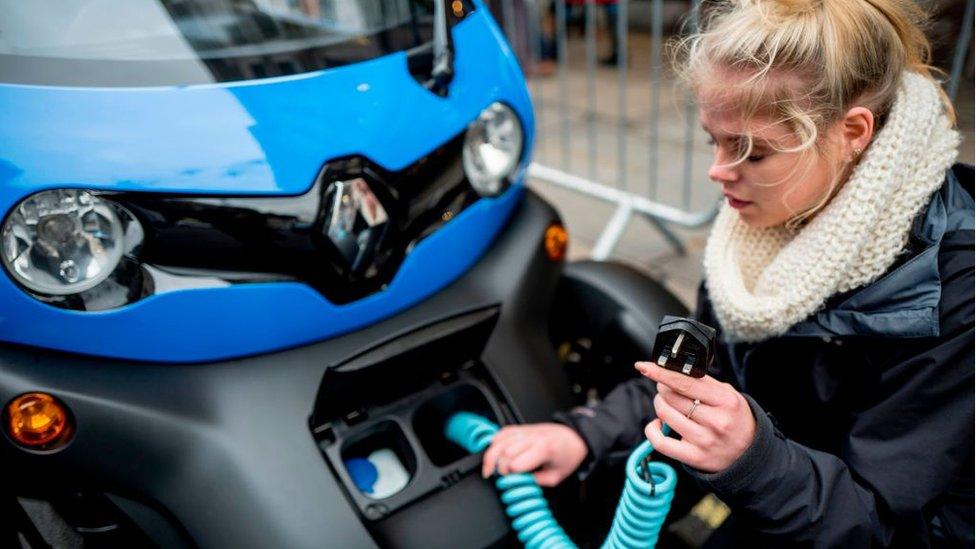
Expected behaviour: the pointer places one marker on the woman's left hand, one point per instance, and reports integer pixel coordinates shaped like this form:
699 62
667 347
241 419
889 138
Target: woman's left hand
719 430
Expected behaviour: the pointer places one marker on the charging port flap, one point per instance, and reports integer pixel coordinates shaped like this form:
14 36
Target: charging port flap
401 366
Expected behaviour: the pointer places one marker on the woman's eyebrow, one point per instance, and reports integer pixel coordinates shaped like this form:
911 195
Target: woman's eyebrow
739 140
760 142
756 142
725 135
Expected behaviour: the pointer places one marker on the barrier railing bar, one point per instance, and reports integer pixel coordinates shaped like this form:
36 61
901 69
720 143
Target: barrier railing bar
669 235
508 15
962 48
627 204
537 54
622 93
612 232
563 70
591 87
691 118
657 32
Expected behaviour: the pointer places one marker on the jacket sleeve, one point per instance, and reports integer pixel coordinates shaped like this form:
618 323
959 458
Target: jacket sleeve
906 451
615 425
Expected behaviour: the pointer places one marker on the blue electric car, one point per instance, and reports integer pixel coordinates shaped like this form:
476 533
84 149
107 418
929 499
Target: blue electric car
250 247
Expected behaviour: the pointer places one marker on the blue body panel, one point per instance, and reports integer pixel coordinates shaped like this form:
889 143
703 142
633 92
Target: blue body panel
267 137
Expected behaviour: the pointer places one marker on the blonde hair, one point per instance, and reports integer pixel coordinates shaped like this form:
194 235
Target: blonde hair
805 63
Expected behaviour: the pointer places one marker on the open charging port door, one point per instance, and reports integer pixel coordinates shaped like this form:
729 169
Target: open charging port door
379 420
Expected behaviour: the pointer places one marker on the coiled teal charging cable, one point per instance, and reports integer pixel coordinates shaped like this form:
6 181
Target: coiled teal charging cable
643 506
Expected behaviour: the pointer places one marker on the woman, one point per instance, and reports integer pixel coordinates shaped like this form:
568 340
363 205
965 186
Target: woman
840 277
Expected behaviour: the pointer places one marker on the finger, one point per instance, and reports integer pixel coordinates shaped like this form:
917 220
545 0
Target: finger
547 477
516 446
704 414
675 398
507 433
499 443
487 462
673 448
529 460
490 459
688 429
501 466
706 389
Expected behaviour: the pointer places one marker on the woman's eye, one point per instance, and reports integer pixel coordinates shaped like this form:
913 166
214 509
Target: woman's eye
755 157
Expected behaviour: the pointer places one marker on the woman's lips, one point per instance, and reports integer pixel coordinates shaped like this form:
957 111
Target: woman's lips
736 203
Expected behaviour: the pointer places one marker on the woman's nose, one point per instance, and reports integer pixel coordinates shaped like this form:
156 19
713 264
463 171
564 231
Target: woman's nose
721 170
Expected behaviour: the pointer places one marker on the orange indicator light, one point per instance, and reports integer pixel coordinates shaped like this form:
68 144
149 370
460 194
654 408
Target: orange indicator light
557 241
37 421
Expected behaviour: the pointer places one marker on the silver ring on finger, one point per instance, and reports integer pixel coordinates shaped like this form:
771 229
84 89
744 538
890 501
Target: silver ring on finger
694 406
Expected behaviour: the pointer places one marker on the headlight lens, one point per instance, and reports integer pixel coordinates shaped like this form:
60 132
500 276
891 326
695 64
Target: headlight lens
492 148
62 242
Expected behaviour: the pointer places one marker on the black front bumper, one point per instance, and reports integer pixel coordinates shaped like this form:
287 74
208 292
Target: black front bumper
249 453
224 455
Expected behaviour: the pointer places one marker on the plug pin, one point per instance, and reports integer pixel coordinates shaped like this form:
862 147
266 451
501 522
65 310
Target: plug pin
677 344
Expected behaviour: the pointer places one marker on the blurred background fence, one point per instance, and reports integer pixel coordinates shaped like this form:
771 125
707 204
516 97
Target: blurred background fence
618 148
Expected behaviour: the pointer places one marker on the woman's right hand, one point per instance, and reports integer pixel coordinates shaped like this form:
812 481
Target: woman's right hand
551 450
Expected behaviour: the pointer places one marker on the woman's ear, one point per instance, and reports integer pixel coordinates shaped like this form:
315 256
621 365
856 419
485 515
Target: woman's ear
858 129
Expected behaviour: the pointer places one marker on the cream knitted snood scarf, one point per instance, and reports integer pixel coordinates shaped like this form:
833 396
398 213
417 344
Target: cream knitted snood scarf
763 281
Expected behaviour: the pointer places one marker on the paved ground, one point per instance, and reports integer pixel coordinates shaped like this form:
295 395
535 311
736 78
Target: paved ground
580 135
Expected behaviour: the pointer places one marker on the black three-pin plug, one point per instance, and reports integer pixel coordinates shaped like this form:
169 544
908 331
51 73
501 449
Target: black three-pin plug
684 345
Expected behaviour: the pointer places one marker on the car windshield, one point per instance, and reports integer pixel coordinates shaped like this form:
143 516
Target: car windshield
183 42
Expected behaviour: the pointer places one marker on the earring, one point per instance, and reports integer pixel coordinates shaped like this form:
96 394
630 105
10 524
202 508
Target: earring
856 153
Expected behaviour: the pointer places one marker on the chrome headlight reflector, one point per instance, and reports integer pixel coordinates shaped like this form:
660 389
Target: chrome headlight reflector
62 241
492 149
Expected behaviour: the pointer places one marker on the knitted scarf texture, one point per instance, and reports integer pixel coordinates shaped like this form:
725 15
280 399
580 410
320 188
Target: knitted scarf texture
762 281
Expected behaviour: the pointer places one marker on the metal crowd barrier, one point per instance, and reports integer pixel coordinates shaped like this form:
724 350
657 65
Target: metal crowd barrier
525 21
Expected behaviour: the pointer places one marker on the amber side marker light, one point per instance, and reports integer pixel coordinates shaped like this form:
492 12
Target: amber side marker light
557 241
37 421
458 8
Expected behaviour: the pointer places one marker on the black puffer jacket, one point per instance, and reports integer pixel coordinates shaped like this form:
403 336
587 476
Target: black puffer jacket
865 411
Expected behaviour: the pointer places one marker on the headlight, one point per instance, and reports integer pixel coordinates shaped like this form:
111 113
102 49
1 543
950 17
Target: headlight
492 148
62 242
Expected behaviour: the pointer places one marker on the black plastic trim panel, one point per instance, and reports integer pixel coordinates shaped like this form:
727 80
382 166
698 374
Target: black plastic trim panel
284 237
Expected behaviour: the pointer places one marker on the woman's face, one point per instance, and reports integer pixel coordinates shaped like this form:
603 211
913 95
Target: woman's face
769 187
